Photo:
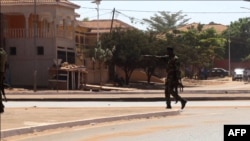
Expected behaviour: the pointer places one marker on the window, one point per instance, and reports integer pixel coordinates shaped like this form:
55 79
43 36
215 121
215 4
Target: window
48 26
81 40
76 39
61 55
84 62
40 50
71 57
12 50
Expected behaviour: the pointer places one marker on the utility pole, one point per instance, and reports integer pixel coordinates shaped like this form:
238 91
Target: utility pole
229 51
112 20
97 2
1 31
112 71
35 34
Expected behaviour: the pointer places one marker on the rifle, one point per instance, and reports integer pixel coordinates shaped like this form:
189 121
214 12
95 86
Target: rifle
156 56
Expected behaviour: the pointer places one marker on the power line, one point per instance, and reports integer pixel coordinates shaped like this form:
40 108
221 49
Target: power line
132 19
102 14
141 21
187 12
95 8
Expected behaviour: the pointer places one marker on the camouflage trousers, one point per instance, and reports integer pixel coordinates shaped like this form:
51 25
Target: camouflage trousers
1 93
171 85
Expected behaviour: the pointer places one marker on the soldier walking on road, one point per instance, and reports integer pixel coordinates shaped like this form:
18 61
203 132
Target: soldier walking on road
173 79
3 57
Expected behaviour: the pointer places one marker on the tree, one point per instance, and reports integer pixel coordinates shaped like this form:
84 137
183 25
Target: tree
85 19
197 47
239 33
149 64
247 58
102 56
165 21
128 49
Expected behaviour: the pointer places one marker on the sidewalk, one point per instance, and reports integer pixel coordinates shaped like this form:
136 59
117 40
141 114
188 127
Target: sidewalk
16 121
227 91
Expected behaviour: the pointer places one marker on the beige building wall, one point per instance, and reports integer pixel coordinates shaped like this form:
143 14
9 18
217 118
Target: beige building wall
33 39
57 36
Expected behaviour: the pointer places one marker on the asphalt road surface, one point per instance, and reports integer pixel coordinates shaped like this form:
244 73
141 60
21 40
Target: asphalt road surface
198 122
12 104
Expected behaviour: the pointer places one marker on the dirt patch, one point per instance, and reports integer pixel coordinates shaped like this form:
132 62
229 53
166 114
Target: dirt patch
211 81
151 86
186 82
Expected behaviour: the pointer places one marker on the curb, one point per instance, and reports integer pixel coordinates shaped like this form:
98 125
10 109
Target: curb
26 130
133 99
51 92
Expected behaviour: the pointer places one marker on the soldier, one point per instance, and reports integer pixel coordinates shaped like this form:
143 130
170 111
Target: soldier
172 79
3 57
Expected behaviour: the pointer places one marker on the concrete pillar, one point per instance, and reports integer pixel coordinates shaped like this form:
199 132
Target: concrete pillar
26 15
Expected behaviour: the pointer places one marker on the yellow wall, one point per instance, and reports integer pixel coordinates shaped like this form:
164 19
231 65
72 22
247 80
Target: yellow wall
138 75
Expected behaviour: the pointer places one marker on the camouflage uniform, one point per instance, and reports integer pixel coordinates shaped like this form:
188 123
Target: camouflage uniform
1 93
172 81
173 77
3 57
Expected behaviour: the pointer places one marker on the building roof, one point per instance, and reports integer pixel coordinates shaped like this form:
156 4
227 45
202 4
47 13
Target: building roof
104 25
31 2
218 27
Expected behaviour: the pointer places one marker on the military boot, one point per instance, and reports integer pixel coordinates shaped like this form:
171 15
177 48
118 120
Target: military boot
183 103
1 108
168 105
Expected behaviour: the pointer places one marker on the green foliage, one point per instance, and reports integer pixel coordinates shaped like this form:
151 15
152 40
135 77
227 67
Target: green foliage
247 58
155 47
129 46
196 47
165 21
239 34
102 55
85 19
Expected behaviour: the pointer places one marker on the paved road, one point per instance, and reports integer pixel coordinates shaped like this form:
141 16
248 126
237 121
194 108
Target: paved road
195 123
108 104
27 117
